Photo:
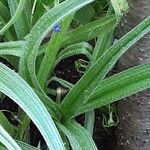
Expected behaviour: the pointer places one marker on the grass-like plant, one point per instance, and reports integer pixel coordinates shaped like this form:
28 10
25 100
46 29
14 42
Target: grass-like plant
35 61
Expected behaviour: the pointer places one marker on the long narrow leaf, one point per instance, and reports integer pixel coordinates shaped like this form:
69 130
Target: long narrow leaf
7 140
6 124
97 72
90 30
75 49
79 138
11 48
21 24
16 15
119 86
4 12
104 42
4 18
41 28
18 90
23 146
52 48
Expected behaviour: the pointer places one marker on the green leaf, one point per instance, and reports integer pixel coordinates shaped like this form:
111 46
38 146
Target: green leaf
41 28
15 17
103 42
20 92
11 48
51 51
13 60
87 84
75 49
7 140
89 121
4 2
37 14
4 18
23 146
120 6
84 15
90 30
119 86
46 2
4 12
62 82
21 24
79 36
79 137
6 124
52 107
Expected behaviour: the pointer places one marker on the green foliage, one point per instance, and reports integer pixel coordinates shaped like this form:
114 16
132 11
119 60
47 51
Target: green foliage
99 69
15 16
7 125
17 89
84 15
7 140
21 24
79 138
120 6
82 30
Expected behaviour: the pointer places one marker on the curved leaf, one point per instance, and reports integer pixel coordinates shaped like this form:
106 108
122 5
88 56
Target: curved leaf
11 48
7 140
78 136
99 69
41 28
119 86
21 24
23 146
19 91
6 124
90 30
76 49
16 15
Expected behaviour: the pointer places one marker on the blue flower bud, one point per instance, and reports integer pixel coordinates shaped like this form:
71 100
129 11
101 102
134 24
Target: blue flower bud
57 28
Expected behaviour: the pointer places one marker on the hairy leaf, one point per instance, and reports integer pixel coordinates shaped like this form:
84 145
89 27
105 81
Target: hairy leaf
41 28
21 24
79 138
7 140
90 30
119 86
14 18
11 48
100 68
19 91
6 124
75 49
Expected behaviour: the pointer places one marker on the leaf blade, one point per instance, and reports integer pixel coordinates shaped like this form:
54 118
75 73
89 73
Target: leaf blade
79 138
45 24
97 72
119 86
18 90
7 140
